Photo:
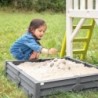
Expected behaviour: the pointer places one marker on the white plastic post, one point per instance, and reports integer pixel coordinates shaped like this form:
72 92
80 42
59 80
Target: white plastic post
90 4
96 8
68 5
76 4
82 4
68 28
68 35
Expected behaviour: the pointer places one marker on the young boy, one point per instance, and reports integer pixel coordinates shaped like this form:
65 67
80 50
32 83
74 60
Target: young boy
28 47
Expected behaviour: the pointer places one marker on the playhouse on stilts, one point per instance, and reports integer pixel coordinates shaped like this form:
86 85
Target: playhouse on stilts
83 10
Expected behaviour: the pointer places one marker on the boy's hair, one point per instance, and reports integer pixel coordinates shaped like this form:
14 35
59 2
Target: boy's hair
35 23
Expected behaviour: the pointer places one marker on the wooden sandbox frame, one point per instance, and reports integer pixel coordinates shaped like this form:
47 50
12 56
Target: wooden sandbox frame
36 89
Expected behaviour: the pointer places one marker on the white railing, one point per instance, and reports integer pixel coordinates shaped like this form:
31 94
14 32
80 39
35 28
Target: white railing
84 8
82 4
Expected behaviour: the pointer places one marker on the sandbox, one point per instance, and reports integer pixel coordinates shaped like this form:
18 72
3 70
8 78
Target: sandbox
45 77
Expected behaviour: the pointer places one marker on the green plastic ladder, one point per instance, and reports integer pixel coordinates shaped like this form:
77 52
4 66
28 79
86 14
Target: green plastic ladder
86 40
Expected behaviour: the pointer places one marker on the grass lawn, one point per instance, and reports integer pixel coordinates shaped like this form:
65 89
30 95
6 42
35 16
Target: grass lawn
13 24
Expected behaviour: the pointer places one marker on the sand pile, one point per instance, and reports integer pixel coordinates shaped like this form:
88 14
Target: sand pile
56 69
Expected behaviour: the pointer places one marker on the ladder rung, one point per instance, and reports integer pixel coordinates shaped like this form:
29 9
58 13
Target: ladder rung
79 51
84 27
80 39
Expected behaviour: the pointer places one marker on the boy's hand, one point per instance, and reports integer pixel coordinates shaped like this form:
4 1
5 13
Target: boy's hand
34 55
52 51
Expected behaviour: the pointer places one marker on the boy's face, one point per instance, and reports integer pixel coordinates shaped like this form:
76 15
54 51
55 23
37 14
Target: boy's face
39 32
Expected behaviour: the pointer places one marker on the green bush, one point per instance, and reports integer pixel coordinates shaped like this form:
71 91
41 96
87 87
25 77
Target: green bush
57 5
38 5
5 2
42 5
54 5
24 4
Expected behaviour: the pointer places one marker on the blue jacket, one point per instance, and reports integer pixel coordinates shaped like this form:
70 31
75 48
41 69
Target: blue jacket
24 46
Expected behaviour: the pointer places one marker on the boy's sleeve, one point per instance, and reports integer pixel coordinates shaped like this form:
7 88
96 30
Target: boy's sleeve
31 43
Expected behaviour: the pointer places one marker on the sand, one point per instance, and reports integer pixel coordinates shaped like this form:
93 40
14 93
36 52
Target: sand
56 69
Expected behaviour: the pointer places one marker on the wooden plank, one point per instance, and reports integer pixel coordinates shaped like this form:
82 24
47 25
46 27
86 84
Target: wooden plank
83 27
69 4
96 8
76 4
80 39
96 5
82 4
79 51
69 28
83 13
90 4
